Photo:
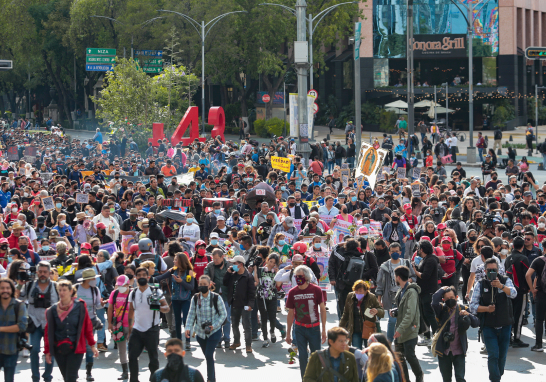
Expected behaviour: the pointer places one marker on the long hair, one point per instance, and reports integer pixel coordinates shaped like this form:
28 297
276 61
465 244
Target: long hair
379 361
14 269
382 338
11 284
182 262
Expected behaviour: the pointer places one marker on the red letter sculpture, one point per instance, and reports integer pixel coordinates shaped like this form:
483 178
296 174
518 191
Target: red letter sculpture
191 117
218 119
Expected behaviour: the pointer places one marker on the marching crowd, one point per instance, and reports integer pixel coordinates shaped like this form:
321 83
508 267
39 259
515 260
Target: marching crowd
102 248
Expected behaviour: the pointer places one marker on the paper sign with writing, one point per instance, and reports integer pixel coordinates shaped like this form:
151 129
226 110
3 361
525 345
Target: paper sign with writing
416 172
111 248
400 173
82 198
289 238
260 192
327 218
297 224
13 153
416 188
48 203
280 163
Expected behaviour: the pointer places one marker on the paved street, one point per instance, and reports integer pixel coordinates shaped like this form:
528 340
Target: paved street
270 364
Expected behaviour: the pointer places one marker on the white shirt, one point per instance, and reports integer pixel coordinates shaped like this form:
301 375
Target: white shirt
192 231
454 142
477 261
143 314
109 222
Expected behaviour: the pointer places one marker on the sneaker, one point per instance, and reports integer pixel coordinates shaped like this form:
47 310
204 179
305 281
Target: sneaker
519 344
26 353
266 344
102 347
234 346
256 338
188 345
283 334
537 348
249 349
273 338
525 322
424 342
483 350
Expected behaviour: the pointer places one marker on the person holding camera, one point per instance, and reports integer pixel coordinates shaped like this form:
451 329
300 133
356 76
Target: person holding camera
492 302
12 328
40 295
407 326
90 294
68 332
516 266
216 270
241 297
452 343
145 305
206 317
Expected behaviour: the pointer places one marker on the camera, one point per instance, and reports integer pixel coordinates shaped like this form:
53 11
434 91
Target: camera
491 275
206 327
394 312
23 343
153 299
448 337
97 324
488 220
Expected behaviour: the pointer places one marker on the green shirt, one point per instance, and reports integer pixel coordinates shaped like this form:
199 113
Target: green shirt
403 124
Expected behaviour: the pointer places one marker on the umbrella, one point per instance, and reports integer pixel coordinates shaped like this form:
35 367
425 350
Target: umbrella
399 104
443 110
426 103
396 110
173 215
261 193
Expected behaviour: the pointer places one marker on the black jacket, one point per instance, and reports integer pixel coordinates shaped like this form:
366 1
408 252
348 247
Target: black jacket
428 282
246 290
516 266
336 265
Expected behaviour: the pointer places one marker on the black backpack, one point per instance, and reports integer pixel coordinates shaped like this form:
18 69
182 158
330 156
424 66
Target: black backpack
353 268
213 301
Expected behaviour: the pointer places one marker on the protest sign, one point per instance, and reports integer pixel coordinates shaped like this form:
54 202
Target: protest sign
126 242
111 248
48 203
400 173
416 189
416 172
297 225
281 163
46 176
341 229
13 153
324 280
370 162
289 238
82 198
327 218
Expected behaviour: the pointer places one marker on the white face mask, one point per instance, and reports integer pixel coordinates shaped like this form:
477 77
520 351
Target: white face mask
93 283
504 252
62 223
123 289
541 225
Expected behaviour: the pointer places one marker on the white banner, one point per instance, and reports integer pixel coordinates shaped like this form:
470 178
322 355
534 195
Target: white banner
293 107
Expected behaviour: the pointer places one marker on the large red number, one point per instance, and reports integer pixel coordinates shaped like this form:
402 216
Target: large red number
191 117
157 133
217 118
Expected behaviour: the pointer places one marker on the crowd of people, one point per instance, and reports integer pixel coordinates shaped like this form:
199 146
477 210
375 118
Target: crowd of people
102 248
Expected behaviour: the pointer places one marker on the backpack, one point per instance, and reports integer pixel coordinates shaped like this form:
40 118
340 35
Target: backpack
157 262
455 226
213 301
354 268
485 142
543 275
498 135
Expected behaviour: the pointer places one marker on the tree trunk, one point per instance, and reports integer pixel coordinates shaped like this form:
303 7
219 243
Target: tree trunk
272 86
251 86
57 83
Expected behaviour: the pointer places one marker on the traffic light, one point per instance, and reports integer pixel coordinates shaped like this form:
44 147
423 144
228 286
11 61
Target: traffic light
535 53
6 64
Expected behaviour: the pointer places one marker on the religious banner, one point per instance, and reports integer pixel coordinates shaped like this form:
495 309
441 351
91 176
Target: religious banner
369 164
345 172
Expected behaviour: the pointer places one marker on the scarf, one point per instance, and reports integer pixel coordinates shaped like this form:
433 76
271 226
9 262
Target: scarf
63 310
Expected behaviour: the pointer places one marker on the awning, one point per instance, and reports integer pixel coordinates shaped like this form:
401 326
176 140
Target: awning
344 56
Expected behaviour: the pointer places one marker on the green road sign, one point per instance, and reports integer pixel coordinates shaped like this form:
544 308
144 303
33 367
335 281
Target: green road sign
154 62
152 69
99 60
101 51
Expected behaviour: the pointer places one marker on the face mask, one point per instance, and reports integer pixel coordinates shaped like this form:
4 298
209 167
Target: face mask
300 279
45 248
214 242
96 248
190 220
282 242
506 220
504 252
353 198
203 289
381 206
58 205
317 246
130 276
451 303
201 251
541 225
123 289
235 268
62 223
517 196
494 178
242 247
344 210
395 255
446 247
23 248
10 260
93 283
25 194
174 361
472 238
359 296
269 221
283 188
14 210
142 281
395 220
217 211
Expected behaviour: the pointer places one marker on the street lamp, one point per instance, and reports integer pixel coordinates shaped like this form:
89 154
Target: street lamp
201 29
469 18
121 22
536 112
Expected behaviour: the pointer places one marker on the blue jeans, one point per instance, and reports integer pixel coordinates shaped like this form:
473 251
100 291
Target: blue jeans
452 363
357 341
208 346
423 135
305 337
351 162
338 161
8 363
544 160
180 311
497 342
391 328
35 339
88 352
226 329
330 164
254 320
480 154
101 335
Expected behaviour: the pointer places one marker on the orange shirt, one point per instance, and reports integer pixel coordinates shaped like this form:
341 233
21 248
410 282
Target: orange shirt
168 171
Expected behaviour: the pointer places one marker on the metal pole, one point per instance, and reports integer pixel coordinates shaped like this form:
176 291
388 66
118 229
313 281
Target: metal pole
447 104
203 75
410 89
284 107
471 158
310 22
536 114
303 147
358 106
435 99
132 50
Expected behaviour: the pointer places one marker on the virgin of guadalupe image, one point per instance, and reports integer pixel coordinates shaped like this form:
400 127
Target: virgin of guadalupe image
370 159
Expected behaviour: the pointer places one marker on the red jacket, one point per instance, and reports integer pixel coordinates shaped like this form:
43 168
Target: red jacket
13 242
85 331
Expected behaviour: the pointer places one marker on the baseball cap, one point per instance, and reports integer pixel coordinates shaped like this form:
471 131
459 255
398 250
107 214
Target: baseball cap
447 238
297 258
289 221
527 193
122 280
101 225
238 259
441 226
214 235
221 217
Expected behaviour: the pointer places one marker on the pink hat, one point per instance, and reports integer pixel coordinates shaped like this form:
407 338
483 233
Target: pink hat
297 258
447 238
441 226
407 206
122 280
362 230
424 238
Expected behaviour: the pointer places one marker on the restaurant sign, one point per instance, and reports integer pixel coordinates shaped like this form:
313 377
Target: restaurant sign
434 45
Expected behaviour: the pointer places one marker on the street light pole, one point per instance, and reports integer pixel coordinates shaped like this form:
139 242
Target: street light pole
410 89
202 31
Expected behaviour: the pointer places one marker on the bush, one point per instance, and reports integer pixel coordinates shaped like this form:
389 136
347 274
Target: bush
387 120
275 126
260 129
232 111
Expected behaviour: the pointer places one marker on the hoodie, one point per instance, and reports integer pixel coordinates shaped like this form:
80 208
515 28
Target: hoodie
407 322
516 266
